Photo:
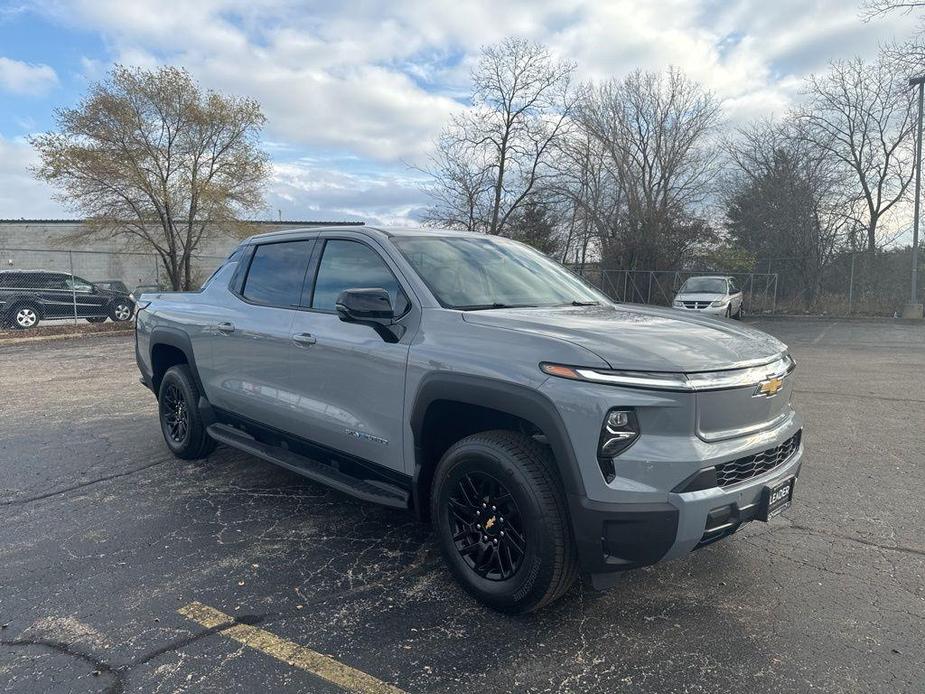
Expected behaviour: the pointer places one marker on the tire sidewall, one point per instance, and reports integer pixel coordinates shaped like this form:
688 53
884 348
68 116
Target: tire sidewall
529 584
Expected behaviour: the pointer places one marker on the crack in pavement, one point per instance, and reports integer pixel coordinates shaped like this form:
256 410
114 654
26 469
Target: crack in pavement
869 543
82 485
250 620
119 672
100 667
422 563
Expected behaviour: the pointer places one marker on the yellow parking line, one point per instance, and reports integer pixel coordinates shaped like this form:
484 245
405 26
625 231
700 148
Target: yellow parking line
298 656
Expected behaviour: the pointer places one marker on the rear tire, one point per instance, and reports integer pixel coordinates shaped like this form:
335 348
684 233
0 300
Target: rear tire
24 316
738 313
178 411
97 319
478 479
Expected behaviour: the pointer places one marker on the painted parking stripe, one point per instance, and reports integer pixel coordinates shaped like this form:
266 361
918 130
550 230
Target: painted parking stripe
323 666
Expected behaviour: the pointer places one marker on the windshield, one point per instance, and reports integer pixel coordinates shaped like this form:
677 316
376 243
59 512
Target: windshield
706 285
491 272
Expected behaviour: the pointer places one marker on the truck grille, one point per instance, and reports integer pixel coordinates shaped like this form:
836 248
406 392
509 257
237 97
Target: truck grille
696 304
742 469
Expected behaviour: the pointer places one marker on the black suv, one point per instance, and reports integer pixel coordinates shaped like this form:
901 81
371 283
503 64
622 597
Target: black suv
29 296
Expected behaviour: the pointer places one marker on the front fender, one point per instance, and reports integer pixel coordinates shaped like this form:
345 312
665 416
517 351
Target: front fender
513 399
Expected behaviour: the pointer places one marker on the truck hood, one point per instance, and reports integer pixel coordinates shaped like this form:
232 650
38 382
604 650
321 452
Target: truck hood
641 338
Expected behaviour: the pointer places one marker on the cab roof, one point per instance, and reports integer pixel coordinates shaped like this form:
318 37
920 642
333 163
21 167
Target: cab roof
386 232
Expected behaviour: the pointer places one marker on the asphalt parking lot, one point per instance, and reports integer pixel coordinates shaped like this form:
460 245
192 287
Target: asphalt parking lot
113 556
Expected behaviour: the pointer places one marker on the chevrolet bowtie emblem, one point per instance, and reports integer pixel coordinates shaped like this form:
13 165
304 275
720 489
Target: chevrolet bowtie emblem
769 388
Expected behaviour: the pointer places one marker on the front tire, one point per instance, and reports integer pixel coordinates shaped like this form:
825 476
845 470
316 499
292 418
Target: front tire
500 515
178 410
121 311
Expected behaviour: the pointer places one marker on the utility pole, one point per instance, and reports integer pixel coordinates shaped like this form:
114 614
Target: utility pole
914 309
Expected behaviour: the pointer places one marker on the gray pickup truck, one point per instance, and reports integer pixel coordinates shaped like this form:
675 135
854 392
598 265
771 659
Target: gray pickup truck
544 431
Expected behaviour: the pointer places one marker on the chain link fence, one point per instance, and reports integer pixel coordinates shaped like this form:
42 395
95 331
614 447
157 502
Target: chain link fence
849 284
41 286
659 287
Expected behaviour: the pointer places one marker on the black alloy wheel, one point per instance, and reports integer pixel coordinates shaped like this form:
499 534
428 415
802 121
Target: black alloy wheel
487 526
175 412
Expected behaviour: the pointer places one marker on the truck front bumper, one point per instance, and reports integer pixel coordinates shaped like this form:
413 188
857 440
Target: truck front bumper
613 537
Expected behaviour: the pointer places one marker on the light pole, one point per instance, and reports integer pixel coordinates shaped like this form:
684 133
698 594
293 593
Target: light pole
914 308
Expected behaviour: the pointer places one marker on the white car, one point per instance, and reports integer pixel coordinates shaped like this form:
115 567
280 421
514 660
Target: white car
714 296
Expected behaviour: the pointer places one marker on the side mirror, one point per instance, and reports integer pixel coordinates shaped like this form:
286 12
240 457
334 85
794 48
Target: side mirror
369 306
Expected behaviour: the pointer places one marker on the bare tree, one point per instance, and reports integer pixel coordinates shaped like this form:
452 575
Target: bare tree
871 9
862 115
656 130
492 157
460 186
149 157
588 190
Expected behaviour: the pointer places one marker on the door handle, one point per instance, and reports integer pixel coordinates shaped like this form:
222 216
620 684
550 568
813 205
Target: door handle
305 339
225 328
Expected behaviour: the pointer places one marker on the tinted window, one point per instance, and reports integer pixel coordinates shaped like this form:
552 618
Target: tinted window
55 282
353 265
276 273
77 284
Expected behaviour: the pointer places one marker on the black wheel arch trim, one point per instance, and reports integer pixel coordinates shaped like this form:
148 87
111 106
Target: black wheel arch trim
165 335
520 401
18 300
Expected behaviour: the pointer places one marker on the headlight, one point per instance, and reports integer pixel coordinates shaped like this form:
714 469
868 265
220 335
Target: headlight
618 432
720 302
678 302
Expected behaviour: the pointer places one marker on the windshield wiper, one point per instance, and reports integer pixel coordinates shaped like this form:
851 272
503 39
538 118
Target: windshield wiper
586 303
488 307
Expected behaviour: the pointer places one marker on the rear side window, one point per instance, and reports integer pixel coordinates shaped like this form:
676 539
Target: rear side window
353 265
277 272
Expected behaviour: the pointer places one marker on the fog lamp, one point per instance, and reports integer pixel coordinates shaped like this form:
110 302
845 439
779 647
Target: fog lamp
619 431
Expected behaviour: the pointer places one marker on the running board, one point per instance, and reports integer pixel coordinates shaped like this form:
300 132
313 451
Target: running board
376 492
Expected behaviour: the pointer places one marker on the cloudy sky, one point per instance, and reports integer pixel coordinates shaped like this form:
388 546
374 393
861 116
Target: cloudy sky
354 90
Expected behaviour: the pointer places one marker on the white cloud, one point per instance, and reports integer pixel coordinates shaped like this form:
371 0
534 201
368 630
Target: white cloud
377 81
317 189
374 79
21 195
26 78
